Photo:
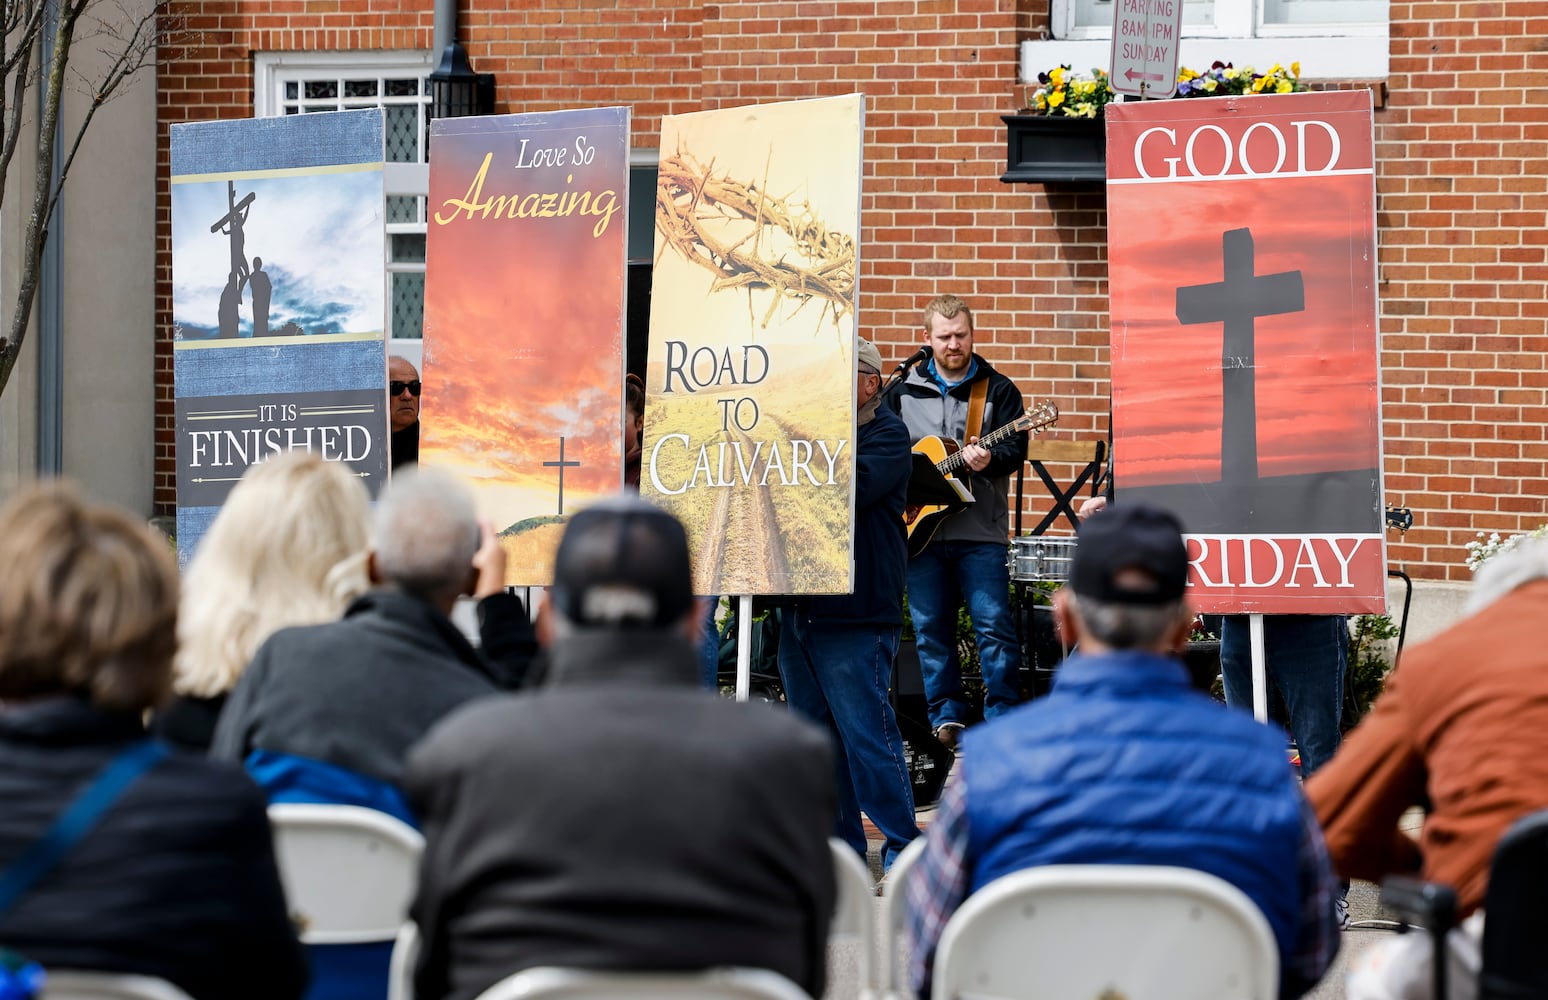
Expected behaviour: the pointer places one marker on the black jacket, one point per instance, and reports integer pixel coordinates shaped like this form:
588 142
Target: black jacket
509 647
355 693
927 408
882 467
177 880
620 818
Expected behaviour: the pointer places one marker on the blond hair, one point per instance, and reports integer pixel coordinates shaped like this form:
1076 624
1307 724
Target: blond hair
947 307
288 548
89 603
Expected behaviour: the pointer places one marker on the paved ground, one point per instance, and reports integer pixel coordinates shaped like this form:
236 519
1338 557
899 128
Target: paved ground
1371 925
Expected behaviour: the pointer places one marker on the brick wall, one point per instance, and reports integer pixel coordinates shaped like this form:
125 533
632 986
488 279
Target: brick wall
1461 183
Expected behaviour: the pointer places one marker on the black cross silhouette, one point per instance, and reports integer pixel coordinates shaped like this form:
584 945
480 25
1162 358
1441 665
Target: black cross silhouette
1238 301
233 208
236 218
562 464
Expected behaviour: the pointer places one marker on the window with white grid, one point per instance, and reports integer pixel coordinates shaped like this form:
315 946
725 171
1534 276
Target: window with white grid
1331 39
1229 18
293 83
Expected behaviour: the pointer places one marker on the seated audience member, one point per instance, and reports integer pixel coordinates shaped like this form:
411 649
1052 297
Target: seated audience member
288 548
1124 763
618 816
1461 729
354 694
403 389
175 875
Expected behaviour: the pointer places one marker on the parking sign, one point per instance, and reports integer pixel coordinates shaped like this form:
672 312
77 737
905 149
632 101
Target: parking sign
1145 39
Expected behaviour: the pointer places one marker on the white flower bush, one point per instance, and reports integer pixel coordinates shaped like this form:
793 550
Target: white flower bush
1480 552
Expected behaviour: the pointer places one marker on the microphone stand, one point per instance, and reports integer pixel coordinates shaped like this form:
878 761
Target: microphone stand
898 375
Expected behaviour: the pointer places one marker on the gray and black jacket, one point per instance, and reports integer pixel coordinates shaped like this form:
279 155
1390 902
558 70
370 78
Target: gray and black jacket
927 407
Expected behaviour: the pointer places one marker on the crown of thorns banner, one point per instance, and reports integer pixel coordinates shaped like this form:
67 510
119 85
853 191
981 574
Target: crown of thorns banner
693 206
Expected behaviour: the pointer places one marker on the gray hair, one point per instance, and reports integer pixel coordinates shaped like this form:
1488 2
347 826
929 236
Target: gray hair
1520 565
617 603
425 533
1126 626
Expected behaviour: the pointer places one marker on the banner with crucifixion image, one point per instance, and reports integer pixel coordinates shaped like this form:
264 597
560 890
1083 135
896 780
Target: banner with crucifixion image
750 385
524 311
278 301
1246 387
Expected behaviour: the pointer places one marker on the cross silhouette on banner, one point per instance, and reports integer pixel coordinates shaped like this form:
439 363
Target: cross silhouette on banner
562 464
1238 301
231 224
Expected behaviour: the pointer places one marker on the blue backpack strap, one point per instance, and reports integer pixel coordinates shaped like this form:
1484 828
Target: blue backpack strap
78 819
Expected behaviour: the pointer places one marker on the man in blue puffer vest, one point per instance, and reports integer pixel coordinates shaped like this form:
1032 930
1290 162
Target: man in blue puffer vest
1123 763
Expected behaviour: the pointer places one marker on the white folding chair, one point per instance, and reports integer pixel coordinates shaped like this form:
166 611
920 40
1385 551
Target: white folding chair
405 952
74 984
854 914
894 910
712 984
1140 932
853 919
349 873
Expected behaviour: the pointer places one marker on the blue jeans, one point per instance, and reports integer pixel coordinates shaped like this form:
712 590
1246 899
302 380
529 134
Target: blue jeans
1306 657
709 646
837 675
975 572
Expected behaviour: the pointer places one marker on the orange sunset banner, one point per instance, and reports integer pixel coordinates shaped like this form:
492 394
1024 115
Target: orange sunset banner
1246 394
750 384
524 309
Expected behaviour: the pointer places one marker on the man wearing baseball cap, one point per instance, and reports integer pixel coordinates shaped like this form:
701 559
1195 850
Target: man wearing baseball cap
1123 763
618 816
836 651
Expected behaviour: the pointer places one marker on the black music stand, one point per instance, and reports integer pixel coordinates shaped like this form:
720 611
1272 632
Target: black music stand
928 486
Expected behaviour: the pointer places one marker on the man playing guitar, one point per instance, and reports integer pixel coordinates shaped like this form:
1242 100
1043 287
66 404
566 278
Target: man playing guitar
958 395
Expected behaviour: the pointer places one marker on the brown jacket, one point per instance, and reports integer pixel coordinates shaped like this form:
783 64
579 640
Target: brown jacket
1461 727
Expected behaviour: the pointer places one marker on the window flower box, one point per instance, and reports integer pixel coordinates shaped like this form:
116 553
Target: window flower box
1060 136
1048 149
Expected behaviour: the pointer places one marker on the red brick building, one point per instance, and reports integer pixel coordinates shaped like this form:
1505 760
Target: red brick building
1462 178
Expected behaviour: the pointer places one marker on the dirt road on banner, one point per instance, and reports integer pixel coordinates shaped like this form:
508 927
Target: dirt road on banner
744 547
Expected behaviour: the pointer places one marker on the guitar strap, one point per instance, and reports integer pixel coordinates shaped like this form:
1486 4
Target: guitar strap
975 415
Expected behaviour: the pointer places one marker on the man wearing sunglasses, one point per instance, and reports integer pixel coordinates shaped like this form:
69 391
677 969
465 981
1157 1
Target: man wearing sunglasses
403 388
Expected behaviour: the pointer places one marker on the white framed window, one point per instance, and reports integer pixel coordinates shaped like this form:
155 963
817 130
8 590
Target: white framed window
291 83
1331 39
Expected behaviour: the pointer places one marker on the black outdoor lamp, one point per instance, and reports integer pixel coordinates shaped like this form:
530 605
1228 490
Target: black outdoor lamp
455 90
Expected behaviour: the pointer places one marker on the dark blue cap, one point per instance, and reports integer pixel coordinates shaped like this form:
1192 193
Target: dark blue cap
623 562
1130 536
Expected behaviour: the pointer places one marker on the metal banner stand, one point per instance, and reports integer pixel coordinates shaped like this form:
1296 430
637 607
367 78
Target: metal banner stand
744 615
1259 668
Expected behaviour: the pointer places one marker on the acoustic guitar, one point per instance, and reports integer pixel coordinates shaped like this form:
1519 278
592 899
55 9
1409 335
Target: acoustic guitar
925 520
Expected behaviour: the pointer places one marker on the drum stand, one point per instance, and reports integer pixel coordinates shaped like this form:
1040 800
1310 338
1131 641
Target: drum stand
1040 646
1033 560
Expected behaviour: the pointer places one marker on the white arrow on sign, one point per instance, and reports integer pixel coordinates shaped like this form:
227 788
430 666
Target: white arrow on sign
1146 34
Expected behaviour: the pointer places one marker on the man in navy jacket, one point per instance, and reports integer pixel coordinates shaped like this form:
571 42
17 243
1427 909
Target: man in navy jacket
836 652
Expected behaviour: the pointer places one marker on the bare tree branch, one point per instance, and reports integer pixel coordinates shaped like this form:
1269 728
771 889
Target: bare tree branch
129 41
13 124
136 53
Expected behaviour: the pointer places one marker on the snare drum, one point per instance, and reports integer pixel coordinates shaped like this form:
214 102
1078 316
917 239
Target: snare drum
1041 557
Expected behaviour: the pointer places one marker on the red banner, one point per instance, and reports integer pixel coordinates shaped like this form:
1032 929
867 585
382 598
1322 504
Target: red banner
524 318
1246 394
